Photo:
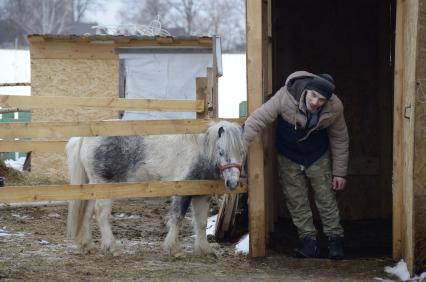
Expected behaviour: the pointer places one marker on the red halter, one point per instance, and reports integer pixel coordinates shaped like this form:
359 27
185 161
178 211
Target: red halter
223 167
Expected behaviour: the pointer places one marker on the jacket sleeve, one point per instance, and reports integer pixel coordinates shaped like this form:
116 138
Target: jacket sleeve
262 116
339 144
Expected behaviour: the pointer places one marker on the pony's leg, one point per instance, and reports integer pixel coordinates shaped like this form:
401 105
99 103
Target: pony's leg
84 236
177 212
200 209
103 211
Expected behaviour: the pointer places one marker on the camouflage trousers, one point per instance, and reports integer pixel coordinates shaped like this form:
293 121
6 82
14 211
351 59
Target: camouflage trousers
295 181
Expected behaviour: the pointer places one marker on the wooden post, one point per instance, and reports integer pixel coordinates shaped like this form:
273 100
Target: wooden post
201 94
256 188
405 79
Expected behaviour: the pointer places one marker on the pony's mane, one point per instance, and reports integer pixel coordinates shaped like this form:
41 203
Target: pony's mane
232 133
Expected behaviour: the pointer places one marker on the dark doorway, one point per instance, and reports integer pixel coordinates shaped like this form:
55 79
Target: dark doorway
354 42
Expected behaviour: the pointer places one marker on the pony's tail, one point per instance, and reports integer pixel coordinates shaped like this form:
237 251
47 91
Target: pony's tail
76 208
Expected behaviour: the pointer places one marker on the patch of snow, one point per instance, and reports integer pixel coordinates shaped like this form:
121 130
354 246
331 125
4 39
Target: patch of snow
400 270
125 216
242 246
400 273
211 225
18 164
5 233
43 242
19 216
54 214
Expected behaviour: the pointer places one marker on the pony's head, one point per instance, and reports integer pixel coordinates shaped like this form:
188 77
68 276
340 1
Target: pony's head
227 151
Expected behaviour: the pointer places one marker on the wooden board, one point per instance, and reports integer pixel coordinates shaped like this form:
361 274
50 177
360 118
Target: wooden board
66 102
256 188
32 146
14 194
92 47
103 128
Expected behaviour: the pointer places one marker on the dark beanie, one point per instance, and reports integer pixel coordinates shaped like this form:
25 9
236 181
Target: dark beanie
323 84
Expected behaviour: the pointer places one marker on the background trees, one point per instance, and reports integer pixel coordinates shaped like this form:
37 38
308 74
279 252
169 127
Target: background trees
180 17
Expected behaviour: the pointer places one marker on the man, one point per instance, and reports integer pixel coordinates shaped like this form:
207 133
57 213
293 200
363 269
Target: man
312 144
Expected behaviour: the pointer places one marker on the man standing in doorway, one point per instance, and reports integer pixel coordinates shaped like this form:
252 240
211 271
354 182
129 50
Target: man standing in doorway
313 150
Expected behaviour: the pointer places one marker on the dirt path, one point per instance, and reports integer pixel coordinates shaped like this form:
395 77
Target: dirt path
33 248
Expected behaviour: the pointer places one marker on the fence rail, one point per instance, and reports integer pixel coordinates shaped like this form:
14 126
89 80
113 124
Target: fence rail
57 102
15 194
104 128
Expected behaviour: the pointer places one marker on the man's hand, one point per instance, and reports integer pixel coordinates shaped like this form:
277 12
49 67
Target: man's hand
339 183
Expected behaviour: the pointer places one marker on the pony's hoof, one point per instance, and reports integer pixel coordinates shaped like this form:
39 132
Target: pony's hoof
88 249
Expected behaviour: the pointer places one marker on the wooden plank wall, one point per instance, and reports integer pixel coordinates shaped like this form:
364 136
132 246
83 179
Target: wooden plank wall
73 78
420 144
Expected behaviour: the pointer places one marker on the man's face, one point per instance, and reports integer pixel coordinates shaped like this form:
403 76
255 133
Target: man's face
314 100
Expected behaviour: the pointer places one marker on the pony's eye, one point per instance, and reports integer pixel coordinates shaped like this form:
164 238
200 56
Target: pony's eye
221 152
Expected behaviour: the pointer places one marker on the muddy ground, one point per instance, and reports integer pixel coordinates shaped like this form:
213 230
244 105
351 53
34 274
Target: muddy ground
33 248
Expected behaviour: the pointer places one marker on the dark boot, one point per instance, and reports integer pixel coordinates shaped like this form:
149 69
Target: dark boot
335 247
308 248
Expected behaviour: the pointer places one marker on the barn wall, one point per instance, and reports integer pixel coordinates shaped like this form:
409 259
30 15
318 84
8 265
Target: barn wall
76 78
420 144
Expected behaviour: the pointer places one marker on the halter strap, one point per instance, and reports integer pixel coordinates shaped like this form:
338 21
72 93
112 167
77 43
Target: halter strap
223 167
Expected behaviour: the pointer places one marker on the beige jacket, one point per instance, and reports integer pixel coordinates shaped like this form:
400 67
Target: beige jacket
283 103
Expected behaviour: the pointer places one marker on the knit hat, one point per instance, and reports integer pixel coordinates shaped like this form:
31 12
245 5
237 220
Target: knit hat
323 84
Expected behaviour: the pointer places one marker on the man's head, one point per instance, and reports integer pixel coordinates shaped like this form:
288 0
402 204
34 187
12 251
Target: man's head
318 91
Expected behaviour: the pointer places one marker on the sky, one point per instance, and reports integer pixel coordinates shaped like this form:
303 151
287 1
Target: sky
107 15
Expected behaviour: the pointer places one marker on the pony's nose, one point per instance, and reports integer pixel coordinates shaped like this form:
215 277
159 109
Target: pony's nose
231 185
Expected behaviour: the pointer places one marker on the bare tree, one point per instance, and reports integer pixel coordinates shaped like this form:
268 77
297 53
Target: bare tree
143 12
80 7
186 13
226 19
38 16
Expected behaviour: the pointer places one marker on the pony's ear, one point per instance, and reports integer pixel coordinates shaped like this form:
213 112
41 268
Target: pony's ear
221 130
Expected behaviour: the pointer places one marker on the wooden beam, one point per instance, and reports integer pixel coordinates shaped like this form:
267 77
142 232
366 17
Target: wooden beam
101 47
256 188
58 102
397 136
104 128
407 31
14 194
15 84
32 146
201 93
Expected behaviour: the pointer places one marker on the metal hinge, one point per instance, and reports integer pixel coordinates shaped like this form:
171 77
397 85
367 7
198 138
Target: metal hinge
407 112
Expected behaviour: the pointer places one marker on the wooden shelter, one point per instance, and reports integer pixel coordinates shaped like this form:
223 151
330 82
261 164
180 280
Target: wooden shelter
90 66
376 51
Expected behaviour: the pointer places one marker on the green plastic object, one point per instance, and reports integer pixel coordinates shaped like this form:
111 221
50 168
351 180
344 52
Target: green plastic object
243 109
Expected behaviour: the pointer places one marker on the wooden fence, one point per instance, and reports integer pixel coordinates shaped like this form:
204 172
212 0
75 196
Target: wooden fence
64 130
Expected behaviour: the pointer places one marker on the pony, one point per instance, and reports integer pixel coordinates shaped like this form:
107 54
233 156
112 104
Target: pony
218 153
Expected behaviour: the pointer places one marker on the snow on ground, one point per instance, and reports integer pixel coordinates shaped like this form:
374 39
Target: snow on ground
243 245
211 225
399 272
18 164
15 67
232 85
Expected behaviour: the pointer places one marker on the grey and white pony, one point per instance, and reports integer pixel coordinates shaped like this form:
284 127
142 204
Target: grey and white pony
219 153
